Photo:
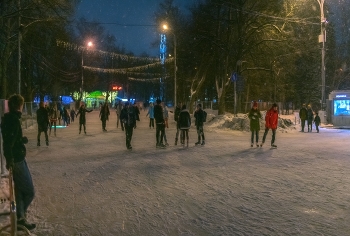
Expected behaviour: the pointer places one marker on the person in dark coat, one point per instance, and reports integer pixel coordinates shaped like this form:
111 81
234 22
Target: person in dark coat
104 114
42 118
82 118
72 115
160 124
271 122
303 117
184 124
53 118
176 118
15 155
128 117
254 117
310 118
199 116
317 122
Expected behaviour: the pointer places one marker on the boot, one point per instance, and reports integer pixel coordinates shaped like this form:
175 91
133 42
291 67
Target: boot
203 143
24 223
47 142
197 143
175 141
38 144
187 142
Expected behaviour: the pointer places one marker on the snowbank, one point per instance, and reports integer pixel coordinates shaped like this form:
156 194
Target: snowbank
241 122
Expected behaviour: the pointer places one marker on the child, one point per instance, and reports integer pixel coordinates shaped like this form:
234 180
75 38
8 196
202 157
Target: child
317 122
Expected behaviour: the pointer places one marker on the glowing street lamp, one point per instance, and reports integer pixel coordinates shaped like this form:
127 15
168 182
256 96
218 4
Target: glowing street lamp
89 45
166 28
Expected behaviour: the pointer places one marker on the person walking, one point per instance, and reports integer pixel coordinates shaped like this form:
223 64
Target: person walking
184 124
72 114
254 117
15 155
42 118
118 109
104 114
310 118
160 126
176 118
128 117
65 116
303 116
166 117
317 122
53 118
199 122
82 118
271 122
150 113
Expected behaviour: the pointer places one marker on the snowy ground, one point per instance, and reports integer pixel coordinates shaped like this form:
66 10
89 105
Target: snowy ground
91 185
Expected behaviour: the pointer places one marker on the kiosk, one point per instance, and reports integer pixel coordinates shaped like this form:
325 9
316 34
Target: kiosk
339 101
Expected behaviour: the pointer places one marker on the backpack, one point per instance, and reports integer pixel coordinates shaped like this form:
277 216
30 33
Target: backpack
204 116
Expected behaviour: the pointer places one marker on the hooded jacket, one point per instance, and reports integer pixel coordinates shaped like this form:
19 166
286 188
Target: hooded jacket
271 119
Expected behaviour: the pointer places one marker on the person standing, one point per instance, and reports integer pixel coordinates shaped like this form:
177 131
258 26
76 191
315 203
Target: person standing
104 114
15 155
199 122
303 117
176 118
82 118
150 113
271 122
160 127
128 117
254 117
184 124
72 114
166 119
65 116
42 118
118 109
317 122
53 118
310 118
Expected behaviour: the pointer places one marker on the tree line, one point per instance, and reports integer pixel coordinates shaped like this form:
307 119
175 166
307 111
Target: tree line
271 45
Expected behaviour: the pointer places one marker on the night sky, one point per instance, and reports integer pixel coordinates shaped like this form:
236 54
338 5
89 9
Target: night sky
138 38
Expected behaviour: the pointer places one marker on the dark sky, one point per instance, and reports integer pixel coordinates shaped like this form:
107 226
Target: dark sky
140 13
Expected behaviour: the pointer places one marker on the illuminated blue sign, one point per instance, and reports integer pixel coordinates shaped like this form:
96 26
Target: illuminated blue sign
340 96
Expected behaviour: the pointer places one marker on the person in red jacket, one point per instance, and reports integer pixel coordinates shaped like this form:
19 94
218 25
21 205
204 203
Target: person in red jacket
271 122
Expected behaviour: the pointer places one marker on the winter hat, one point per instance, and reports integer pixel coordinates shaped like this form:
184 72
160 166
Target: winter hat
255 104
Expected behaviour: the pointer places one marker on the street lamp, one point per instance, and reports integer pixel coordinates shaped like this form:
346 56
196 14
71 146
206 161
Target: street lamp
89 45
322 39
165 28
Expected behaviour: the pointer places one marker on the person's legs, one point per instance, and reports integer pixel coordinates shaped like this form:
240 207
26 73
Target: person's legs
46 137
54 129
157 134
264 137
257 136
252 138
38 136
302 125
24 188
273 137
317 128
117 120
84 125
162 132
152 122
80 124
187 138
177 133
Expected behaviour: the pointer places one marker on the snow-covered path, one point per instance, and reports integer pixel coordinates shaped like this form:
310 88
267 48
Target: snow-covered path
91 185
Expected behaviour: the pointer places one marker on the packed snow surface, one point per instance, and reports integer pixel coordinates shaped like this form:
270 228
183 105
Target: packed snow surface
92 185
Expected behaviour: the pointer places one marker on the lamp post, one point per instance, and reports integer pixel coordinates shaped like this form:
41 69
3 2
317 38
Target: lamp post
322 39
89 44
165 27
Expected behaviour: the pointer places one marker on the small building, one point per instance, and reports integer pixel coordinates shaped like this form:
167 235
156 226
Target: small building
339 108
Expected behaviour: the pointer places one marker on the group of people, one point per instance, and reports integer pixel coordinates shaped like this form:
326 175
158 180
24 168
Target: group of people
307 114
271 122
